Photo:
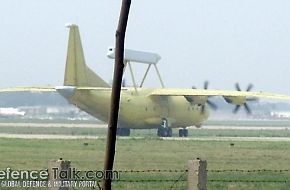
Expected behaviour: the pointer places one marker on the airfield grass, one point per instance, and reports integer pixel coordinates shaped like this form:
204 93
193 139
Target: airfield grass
158 154
151 153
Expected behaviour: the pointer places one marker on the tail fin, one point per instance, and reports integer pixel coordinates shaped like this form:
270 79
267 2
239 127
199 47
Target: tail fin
77 73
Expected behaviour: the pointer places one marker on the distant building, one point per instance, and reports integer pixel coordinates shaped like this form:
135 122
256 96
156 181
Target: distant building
280 114
11 112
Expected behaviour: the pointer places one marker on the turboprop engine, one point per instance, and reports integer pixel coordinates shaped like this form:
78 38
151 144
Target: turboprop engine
241 101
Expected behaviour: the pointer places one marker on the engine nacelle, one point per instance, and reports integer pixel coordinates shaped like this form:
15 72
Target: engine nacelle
197 100
198 126
240 100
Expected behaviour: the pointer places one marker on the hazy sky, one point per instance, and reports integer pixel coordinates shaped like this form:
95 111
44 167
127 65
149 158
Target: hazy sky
223 41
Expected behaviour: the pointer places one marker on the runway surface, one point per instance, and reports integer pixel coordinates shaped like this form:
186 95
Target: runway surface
37 136
229 127
212 127
69 136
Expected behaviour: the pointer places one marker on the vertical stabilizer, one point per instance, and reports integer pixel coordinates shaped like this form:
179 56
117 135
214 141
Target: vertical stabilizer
76 72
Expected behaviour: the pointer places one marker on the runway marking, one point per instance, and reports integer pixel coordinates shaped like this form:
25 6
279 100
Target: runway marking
42 136
286 139
53 125
229 127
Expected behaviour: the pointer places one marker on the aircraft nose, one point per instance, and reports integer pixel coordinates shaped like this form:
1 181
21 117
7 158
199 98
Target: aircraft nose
66 91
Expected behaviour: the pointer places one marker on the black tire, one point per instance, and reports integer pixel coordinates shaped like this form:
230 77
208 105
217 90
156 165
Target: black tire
162 132
123 132
126 132
180 132
119 131
158 132
169 132
165 132
185 132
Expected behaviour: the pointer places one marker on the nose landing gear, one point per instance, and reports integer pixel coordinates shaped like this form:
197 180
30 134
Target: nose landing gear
163 130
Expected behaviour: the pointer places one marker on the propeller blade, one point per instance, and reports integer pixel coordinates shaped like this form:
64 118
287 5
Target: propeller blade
238 87
211 105
236 109
205 85
250 86
249 99
247 109
189 99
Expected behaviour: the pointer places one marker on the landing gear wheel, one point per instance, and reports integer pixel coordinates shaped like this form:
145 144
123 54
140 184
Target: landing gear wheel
123 132
183 132
169 132
162 132
180 132
159 133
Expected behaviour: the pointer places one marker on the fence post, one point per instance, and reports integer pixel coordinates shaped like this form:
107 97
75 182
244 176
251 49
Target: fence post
197 174
58 171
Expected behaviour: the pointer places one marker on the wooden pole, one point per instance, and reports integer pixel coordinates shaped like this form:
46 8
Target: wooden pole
115 96
54 169
197 174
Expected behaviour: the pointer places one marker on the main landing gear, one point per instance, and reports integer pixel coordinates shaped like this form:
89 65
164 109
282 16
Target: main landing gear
183 132
123 131
163 130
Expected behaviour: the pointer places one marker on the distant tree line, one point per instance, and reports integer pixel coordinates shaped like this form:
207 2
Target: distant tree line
31 99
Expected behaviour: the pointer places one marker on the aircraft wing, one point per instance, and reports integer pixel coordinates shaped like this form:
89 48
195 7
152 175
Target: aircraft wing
29 89
224 93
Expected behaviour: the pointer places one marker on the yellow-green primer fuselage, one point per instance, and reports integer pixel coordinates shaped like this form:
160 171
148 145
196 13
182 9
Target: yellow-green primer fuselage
138 110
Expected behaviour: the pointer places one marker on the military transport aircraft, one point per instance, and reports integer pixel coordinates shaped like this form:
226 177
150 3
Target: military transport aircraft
140 108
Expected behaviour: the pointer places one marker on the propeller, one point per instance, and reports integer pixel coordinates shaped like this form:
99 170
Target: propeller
208 102
205 85
250 99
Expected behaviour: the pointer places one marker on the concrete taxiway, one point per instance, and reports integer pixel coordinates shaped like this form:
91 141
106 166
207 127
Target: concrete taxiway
41 136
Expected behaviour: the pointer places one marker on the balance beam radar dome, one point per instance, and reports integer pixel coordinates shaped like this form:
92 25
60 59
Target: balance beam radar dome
136 56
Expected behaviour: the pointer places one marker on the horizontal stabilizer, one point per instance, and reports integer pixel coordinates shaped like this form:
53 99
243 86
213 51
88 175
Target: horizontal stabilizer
29 89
